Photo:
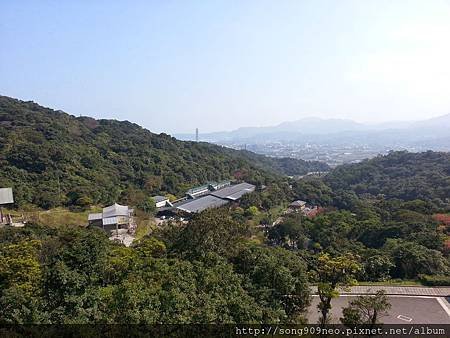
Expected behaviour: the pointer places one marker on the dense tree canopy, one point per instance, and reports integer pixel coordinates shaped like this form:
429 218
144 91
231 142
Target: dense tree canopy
76 275
406 176
394 242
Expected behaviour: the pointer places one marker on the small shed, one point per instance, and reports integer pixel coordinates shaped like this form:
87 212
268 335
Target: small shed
114 217
161 201
299 204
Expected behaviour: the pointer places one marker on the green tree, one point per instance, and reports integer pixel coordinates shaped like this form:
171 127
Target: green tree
333 273
366 310
121 260
253 198
277 279
75 264
174 291
212 230
412 259
290 233
20 281
19 266
147 205
150 247
252 211
378 267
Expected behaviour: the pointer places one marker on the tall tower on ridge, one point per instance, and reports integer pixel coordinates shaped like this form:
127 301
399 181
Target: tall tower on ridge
196 134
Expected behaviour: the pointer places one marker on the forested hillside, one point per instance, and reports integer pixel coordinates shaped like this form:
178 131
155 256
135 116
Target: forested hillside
382 210
209 273
403 175
51 158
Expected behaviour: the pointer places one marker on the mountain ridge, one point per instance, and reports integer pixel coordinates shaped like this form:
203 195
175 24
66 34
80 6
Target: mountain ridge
52 158
320 126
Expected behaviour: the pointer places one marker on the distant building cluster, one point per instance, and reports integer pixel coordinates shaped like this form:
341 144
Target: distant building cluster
207 196
118 220
302 207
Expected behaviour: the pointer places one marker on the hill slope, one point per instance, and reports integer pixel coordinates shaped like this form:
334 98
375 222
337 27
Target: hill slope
52 158
402 175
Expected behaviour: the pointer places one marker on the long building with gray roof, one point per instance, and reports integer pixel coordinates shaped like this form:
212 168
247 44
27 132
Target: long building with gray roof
224 194
234 192
200 204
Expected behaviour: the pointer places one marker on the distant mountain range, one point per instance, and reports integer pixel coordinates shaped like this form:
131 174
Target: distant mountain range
431 133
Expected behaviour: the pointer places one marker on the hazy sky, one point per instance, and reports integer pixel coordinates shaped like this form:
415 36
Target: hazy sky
217 65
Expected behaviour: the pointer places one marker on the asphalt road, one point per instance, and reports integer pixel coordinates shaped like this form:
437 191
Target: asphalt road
404 310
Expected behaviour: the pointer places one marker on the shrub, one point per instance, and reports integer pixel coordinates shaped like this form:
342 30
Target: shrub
435 280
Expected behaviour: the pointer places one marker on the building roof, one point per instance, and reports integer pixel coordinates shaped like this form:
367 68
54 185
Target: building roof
298 203
6 196
94 217
110 214
198 189
116 210
234 192
158 199
219 185
311 213
200 204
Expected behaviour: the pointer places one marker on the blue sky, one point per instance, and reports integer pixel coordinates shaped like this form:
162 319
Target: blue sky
217 65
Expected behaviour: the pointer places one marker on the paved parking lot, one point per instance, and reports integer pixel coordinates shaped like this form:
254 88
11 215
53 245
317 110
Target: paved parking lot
394 290
404 310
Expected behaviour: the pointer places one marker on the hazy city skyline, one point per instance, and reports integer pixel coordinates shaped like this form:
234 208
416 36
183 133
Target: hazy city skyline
219 65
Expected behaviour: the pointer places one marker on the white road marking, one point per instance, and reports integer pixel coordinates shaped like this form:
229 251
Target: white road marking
405 318
443 303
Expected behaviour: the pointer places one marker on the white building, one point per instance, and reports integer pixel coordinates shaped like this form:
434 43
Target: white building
161 201
113 217
6 197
